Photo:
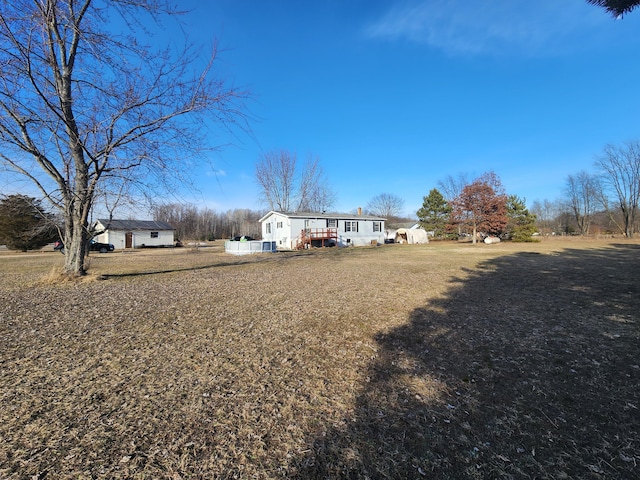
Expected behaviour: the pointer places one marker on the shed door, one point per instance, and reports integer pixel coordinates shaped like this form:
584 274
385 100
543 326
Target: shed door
128 240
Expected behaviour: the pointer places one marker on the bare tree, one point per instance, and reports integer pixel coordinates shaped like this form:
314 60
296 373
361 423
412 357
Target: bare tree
451 187
275 174
385 205
285 187
546 213
581 190
620 174
314 193
84 107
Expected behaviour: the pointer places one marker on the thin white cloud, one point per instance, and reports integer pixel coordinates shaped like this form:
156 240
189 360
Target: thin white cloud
530 27
213 172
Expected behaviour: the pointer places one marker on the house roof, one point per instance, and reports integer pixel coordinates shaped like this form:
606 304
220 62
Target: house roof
339 216
134 225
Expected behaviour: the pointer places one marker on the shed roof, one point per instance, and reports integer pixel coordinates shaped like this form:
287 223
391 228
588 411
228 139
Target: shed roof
408 225
129 225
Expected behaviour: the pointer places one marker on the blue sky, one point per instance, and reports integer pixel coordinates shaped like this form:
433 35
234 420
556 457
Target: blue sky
393 97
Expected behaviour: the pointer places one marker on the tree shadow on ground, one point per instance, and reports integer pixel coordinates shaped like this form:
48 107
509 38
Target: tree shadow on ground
235 260
528 368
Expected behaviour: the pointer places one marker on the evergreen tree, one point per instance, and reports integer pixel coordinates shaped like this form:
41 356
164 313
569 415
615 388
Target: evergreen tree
522 224
434 214
24 225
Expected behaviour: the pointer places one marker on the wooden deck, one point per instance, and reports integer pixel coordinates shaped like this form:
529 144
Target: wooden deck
324 236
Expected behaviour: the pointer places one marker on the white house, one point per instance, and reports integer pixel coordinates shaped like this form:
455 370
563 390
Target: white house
292 231
135 233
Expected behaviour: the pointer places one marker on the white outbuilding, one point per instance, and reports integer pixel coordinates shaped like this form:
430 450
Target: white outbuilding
411 235
135 233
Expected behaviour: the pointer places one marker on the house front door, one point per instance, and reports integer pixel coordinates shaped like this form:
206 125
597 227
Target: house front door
128 240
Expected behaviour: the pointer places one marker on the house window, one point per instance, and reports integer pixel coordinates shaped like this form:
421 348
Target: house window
332 223
268 228
377 226
350 226
154 235
279 225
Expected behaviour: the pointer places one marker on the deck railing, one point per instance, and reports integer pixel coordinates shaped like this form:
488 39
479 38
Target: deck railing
323 235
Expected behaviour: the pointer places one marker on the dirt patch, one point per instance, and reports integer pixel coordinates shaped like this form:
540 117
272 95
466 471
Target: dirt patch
402 361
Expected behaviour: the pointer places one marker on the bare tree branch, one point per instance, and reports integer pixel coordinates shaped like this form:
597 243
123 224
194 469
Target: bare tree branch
620 173
284 187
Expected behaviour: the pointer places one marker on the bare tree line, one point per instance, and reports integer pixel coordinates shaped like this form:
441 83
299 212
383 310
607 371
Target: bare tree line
605 201
205 224
602 201
608 197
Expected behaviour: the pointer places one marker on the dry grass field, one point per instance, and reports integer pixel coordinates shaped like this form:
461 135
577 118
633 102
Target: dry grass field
434 361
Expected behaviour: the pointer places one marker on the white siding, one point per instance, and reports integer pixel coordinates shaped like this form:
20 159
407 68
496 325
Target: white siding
115 238
140 238
364 234
285 230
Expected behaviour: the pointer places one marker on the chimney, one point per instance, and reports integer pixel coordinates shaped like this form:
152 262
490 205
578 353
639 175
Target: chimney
359 210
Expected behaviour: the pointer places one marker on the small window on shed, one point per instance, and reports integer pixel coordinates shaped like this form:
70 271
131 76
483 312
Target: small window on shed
154 235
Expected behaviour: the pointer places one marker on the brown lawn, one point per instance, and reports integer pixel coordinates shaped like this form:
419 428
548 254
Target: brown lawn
436 361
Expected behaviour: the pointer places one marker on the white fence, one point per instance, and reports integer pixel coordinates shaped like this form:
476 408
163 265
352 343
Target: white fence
248 247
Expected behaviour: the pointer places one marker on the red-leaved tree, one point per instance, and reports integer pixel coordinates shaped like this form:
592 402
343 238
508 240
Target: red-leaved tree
481 206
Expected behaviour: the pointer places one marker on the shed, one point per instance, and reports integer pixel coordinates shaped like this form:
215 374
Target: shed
411 235
135 233
390 232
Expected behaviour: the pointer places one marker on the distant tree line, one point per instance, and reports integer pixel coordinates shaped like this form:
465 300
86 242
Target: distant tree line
603 201
557 218
205 224
26 225
606 199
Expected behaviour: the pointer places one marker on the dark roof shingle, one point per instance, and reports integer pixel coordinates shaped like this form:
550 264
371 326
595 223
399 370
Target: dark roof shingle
135 225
